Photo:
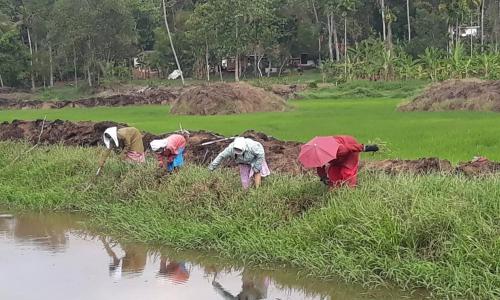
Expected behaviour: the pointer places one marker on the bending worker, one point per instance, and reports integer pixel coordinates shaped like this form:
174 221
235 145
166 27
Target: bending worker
127 140
250 157
344 168
170 151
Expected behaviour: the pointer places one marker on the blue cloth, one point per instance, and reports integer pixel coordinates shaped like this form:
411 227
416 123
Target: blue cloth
177 162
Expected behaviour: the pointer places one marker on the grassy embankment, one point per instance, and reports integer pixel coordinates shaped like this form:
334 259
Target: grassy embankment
438 232
366 110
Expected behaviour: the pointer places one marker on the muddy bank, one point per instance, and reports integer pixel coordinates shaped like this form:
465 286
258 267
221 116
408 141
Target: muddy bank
281 156
417 166
226 98
11 98
139 97
204 146
479 166
473 95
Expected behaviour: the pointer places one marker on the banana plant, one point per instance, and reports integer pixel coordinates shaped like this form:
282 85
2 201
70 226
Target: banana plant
406 66
430 59
457 61
487 61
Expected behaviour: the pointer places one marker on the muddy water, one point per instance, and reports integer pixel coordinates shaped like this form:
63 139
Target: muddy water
53 257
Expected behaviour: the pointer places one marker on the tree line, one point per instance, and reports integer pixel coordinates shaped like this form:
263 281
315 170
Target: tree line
88 41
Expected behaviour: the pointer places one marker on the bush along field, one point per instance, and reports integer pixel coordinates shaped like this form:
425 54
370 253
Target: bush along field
437 232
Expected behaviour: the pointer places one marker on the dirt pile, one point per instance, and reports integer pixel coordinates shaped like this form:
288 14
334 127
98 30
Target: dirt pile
204 146
478 166
417 166
54 132
281 156
226 98
11 98
139 97
473 95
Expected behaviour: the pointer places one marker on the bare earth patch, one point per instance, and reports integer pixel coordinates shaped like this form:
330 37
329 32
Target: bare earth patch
472 95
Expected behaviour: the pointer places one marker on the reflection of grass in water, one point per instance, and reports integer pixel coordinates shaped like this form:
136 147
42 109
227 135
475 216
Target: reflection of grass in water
415 231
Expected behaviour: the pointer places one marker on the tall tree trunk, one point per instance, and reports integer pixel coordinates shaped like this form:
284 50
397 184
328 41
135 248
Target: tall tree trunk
318 23
74 67
482 24
207 60
408 18
171 42
345 45
258 65
51 80
31 60
471 40
382 8
319 50
237 58
255 64
283 65
336 40
330 34
269 69
450 37
237 67
389 35
89 76
1 81
498 27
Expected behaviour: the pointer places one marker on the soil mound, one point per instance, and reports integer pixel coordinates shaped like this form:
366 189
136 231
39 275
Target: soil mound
417 166
226 98
478 167
473 95
204 146
281 156
54 132
140 97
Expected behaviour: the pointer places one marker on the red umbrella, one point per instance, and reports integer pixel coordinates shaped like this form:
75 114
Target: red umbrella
318 151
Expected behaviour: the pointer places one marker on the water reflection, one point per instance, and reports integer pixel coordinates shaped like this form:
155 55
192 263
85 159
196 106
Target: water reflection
254 287
67 262
48 233
176 272
132 263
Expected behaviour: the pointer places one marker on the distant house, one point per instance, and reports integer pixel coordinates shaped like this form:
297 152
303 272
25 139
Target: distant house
305 61
465 31
248 62
229 64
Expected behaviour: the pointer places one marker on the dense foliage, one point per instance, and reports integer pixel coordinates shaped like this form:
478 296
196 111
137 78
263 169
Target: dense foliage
43 41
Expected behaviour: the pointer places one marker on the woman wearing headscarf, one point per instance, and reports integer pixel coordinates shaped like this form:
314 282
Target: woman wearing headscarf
250 157
127 140
170 151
